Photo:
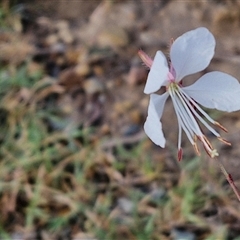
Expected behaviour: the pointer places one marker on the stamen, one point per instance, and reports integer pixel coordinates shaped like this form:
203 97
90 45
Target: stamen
186 129
195 146
198 107
210 153
199 117
224 141
208 147
194 125
207 151
180 154
185 117
179 135
207 141
187 120
220 126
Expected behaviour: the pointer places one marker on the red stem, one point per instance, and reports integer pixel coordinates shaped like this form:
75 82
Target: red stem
230 180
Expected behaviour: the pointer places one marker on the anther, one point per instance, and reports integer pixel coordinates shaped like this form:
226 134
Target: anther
224 141
220 126
196 149
180 154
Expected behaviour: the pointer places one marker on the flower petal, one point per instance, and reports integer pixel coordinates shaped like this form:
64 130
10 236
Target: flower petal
216 90
192 52
153 126
158 73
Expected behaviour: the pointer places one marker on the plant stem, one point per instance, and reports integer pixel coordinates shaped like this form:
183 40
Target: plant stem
229 179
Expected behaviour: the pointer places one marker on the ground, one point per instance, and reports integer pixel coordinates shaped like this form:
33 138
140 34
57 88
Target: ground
75 161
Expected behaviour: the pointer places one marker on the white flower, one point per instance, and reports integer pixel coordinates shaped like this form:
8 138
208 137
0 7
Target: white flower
190 53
